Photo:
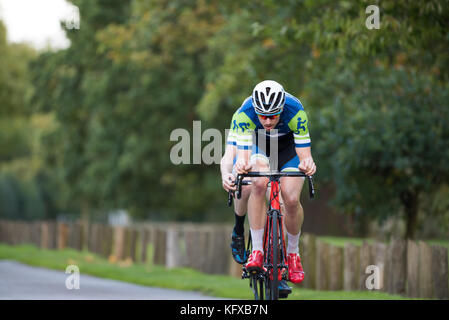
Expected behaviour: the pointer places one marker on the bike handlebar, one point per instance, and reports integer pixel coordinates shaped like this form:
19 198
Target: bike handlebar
274 176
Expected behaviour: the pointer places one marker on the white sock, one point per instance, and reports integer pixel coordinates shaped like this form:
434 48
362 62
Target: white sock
257 239
293 241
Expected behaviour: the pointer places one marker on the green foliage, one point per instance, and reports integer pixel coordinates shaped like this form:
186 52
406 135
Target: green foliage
377 98
15 88
21 196
20 200
15 139
387 134
137 70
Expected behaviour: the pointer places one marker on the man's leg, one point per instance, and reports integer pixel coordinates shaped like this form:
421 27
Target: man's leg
294 217
256 216
240 209
238 238
293 212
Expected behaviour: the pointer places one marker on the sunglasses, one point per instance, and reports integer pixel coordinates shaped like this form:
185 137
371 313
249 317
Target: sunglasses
269 117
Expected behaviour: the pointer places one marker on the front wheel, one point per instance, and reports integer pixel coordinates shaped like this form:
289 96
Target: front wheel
274 282
257 286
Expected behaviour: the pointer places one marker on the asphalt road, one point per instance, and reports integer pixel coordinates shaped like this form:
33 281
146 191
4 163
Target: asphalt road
22 282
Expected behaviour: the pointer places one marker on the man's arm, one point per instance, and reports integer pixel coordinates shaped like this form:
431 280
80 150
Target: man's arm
243 161
300 127
306 165
226 165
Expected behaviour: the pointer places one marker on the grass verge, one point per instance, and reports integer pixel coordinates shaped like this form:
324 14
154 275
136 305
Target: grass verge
158 276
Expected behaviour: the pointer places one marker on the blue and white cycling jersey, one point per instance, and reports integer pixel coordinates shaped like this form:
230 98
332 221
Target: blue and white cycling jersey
293 120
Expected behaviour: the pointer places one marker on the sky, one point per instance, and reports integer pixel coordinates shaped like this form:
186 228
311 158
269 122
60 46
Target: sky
37 22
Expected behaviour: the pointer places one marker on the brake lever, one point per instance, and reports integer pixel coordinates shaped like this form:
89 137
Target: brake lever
311 188
230 198
238 192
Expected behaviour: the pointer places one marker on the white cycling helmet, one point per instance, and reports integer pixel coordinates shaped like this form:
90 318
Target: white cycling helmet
268 98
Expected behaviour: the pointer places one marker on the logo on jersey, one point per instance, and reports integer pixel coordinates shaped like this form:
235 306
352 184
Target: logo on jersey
301 126
244 126
234 125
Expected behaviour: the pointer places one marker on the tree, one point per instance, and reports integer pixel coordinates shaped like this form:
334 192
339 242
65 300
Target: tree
386 138
343 73
66 83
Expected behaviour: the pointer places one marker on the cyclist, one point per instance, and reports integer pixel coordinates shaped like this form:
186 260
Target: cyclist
227 167
228 174
276 117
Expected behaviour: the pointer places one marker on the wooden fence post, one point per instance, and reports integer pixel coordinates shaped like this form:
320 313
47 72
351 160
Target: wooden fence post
172 259
145 238
322 266
351 267
176 247
397 267
2 230
44 235
412 269
83 227
336 268
307 247
63 233
160 246
108 241
197 243
36 233
440 272
218 251
76 236
365 261
119 242
92 237
25 228
127 243
425 271
133 243
100 239
379 256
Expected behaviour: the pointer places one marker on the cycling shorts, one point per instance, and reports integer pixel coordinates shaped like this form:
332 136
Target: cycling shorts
287 159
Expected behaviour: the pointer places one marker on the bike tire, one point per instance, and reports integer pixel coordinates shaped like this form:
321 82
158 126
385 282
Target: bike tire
254 286
274 283
256 283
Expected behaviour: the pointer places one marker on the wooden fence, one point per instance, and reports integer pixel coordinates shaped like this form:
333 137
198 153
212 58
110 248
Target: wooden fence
408 268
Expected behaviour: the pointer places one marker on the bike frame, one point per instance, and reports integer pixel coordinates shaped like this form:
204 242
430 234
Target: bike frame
275 204
273 234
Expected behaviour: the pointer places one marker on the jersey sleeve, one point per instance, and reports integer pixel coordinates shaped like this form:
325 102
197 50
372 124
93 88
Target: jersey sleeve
232 135
245 128
299 124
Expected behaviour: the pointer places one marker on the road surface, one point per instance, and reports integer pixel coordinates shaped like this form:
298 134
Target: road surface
19 281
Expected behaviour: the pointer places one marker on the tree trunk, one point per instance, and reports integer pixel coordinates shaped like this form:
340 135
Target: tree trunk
410 201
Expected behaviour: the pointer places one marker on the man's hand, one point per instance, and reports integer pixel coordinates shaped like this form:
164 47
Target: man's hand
242 166
228 182
307 165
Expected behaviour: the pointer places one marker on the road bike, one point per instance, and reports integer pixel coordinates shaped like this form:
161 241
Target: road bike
265 284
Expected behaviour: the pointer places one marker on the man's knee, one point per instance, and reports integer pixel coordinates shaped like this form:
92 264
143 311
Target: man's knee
246 191
259 186
291 201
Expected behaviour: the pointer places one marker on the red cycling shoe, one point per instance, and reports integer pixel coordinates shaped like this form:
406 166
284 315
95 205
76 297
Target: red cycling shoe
295 271
255 261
